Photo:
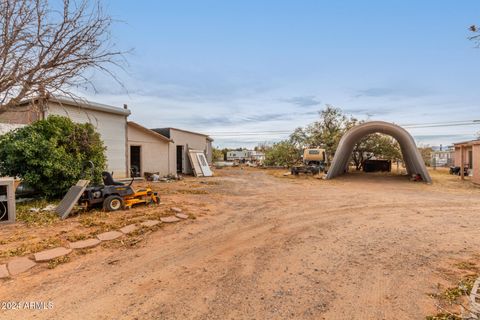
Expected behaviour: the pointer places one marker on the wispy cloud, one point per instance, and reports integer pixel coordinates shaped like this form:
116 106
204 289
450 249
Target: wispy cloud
375 92
304 101
210 104
369 112
393 91
236 119
180 84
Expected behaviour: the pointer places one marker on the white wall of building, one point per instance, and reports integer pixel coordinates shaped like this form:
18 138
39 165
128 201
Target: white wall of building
112 129
188 140
154 150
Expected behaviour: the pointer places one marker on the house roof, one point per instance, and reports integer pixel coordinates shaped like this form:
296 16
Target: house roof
467 143
166 132
82 103
148 131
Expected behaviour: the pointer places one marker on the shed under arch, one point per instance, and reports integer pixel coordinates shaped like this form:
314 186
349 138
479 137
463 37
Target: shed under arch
411 156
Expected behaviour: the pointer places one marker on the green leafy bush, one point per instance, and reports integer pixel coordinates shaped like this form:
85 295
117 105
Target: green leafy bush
218 154
283 153
51 155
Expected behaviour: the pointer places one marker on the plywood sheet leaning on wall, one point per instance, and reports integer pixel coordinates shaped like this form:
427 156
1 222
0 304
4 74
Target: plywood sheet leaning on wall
199 163
71 198
192 156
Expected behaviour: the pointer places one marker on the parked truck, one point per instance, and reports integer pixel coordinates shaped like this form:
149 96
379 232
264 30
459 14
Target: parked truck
313 161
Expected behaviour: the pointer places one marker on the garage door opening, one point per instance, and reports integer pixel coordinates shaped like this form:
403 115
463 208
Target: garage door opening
180 157
411 156
135 161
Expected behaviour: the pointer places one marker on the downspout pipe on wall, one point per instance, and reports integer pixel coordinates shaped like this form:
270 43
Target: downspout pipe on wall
127 162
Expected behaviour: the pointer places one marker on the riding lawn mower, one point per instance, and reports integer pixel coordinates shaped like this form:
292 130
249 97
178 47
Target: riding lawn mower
111 196
115 195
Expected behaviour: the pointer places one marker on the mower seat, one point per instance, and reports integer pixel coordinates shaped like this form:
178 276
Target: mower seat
108 180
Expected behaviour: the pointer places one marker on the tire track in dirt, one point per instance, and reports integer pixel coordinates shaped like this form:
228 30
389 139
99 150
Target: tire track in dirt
273 248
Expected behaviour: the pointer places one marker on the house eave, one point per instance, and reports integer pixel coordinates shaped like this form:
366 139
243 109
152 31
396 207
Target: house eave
81 103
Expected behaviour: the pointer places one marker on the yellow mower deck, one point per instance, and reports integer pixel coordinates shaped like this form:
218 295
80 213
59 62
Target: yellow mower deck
143 196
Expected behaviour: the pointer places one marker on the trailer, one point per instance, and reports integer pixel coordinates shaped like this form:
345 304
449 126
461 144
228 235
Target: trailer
313 161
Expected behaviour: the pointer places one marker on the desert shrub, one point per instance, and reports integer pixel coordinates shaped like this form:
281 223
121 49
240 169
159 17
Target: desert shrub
51 155
218 154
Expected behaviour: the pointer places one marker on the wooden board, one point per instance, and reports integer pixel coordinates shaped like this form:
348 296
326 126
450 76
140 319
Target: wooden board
71 198
192 156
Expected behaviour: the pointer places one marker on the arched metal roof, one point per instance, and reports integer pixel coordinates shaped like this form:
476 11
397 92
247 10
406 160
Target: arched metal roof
411 156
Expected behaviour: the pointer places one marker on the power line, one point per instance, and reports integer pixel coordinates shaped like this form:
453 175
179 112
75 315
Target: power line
408 126
443 122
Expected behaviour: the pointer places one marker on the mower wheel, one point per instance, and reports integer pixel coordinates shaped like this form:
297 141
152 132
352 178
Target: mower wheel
113 203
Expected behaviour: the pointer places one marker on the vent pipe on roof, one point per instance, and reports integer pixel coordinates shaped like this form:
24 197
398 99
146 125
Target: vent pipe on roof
125 106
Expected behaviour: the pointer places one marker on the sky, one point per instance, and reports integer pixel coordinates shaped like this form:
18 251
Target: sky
251 71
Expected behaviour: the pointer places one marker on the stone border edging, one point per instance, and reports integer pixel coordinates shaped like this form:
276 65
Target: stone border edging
109 235
20 265
83 244
51 254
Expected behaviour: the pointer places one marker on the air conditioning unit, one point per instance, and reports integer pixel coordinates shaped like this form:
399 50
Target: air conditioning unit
7 200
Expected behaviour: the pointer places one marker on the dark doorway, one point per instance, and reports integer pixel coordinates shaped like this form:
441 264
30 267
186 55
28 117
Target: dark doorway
135 161
180 159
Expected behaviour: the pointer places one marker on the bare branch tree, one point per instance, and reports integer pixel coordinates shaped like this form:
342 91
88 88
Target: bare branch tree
476 36
46 51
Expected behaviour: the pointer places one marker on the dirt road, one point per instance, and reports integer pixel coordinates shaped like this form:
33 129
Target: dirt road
360 247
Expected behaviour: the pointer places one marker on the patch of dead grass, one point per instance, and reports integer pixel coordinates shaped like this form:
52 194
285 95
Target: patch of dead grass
40 218
77 237
31 247
52 264
191 191
37 231
444 316
450 300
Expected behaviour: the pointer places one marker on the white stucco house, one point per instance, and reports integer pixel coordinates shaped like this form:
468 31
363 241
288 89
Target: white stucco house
109 121
131 149
148 151
184 140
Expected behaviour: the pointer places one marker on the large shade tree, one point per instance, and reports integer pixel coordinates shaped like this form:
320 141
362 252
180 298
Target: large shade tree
282 153
326 132
46 47
333 123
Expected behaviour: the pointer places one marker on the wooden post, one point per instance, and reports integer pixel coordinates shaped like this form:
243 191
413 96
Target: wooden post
462 160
